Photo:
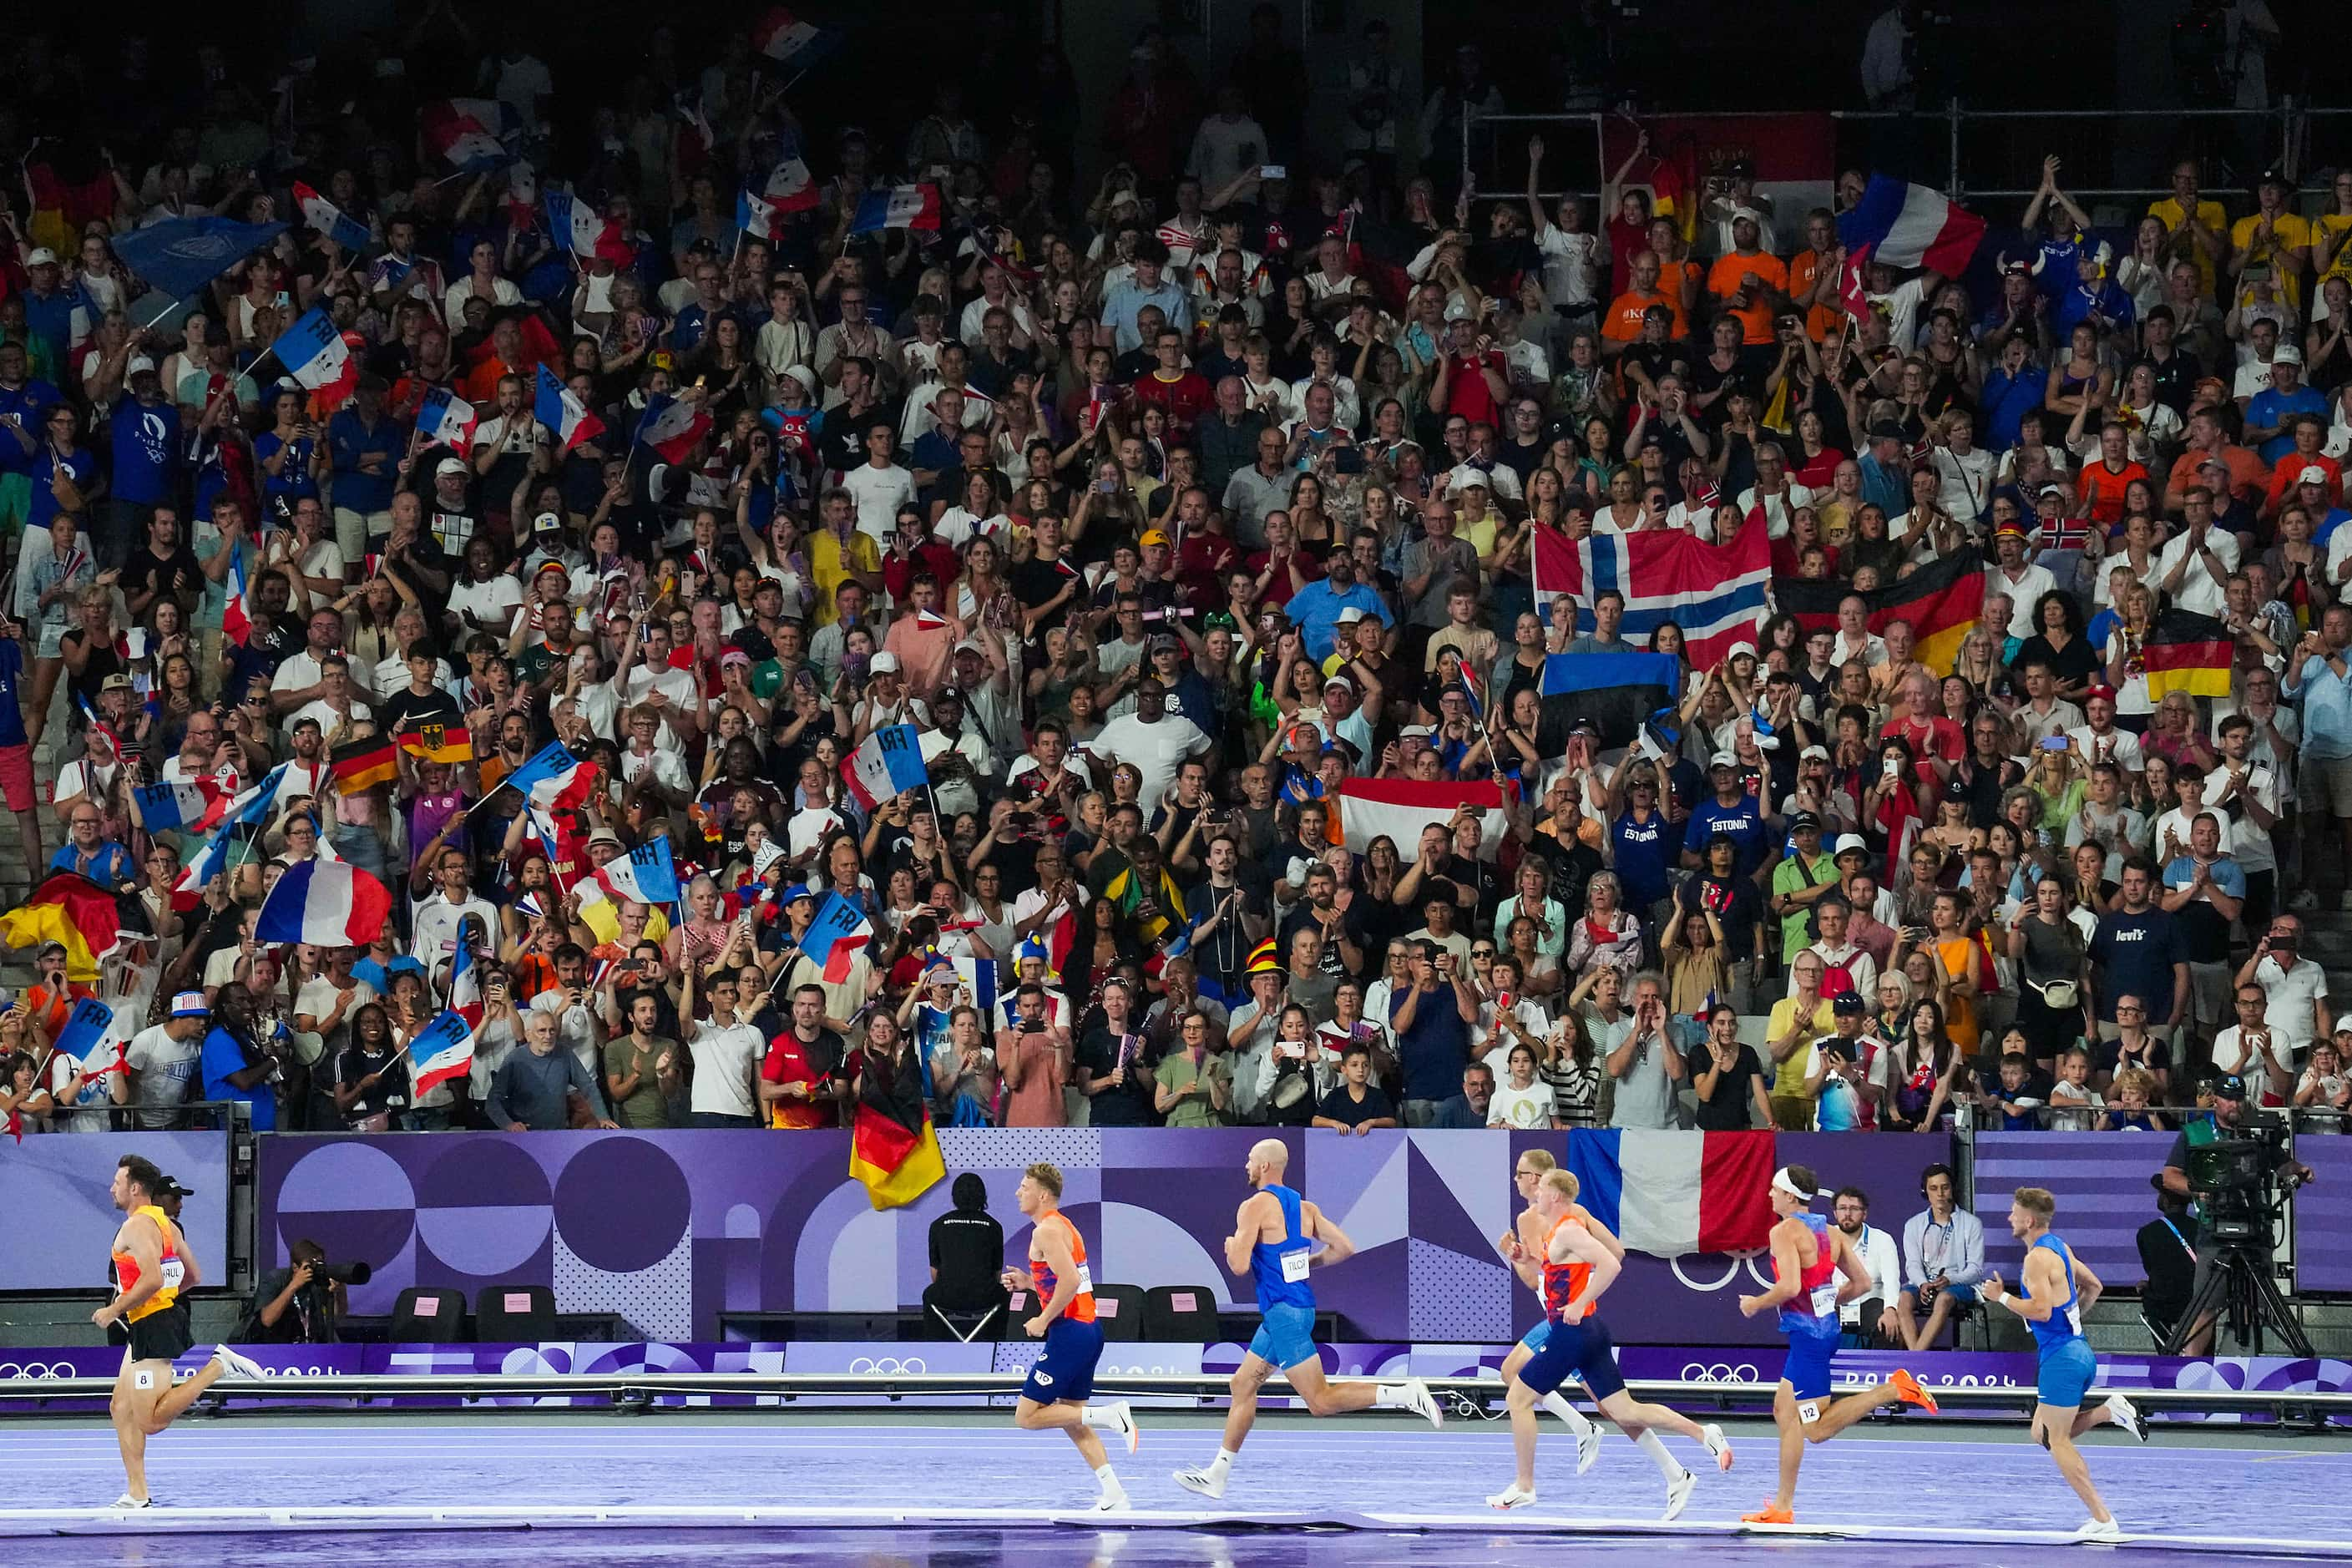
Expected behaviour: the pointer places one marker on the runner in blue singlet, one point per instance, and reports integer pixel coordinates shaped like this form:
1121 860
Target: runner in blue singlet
1273 1243
2055 1289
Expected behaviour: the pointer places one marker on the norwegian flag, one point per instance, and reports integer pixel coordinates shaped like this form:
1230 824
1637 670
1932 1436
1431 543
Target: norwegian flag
591 236
329 220
672 427
790 186
236 620
446 418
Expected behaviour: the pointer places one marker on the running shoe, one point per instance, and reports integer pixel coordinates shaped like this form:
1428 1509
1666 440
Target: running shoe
1113 1500
1417 1399
1716 1444
2108 1530
1588 1447
2126 1414
237 1365
1768 1514
1123 1423
1908 1388
1511 1496
1678 1491
127 1500
1205 1482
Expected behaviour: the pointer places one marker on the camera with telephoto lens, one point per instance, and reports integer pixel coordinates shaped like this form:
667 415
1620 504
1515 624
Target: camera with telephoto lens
2238 1180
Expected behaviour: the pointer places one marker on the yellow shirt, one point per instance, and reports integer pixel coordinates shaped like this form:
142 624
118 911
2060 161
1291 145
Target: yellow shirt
826 565
1789 1076
2290 239
2211 215
2332 227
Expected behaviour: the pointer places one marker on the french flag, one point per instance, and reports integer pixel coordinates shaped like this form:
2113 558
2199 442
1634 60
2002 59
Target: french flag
212 856
790 41
900 207
791 189
1401 809
886 766
1671 1193
554 780
1911 226
758 217
191 806
329 220
672 427
327 903
559 411
89 1028
466 133
446 418
236 620
835 937
590 234
441 1050
466 987
313 352
1714 593
646 874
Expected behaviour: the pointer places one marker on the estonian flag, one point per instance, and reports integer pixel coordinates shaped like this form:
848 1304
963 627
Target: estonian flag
1619 692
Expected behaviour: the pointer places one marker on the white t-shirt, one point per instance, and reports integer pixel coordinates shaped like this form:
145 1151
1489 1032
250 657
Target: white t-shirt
437 925
1571 266
1522 1107
879 492
161 1070
493 603
726 1060
2292 1014
1155 748
2199 591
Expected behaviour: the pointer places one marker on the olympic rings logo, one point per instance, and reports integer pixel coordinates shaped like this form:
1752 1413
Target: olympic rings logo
1721 1372
20 1372
1747 1256
885 1366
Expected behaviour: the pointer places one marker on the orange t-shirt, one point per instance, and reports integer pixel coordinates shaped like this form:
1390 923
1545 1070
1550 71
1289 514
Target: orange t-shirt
1804 276
1626 312
1723 280
2102 490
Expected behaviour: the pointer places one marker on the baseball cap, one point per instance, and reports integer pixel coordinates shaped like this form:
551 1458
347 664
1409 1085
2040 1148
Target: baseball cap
2229 1086
2312 474
447 467
2053 489
41 256
1721 759
2011 530
1849 844
1351 615
555 566
118 681
1739 647
1341 681
884 664
548 522
2101 691
1804 822
1848 1002
2286 353
1466 477
191 1004
140 365
1810 752
1162 642
798 891
1152 536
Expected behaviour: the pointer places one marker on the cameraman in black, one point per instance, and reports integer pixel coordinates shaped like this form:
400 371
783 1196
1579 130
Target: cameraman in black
2232 1118
299 1305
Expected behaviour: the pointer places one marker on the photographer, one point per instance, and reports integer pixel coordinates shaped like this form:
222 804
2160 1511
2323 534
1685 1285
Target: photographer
301 1304
2232 1118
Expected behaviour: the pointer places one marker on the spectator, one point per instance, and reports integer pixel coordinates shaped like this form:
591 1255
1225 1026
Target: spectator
1943 1259
1727 1078
542 1088
1357 1105
1469 1108
967 1254
1873 1321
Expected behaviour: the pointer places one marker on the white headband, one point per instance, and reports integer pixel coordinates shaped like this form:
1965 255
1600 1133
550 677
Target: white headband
1781 1179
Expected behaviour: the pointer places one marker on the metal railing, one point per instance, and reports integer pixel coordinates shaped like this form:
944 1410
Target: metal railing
2123 155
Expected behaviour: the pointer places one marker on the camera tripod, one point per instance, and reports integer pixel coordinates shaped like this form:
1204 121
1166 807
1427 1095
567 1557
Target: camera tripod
2240 1292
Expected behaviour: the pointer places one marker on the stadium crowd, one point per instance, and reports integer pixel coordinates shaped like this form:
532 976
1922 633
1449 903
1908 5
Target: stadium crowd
1180 513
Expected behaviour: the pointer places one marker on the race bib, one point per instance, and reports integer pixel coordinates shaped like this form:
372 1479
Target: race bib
1825 1299
2074 1319
174 1271
1808 1411
1294 1267
1085 1281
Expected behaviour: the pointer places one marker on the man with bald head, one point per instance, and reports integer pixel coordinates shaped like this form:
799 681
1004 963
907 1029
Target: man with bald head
1272 1242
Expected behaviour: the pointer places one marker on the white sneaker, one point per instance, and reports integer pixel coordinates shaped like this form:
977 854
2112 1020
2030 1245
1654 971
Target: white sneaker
1208 1483
127 1500
1588 1447
1511 1496
1678 1491
1418 1400
1113 1500
2108 1530
1716 1444
2126 1414
237 1365
1122 1422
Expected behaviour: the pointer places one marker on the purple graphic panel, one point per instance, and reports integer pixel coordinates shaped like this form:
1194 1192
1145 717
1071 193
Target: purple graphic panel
671 1230
2101 1183
2323 1215
57 1189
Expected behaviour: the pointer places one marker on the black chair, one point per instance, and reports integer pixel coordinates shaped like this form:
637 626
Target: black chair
1184 1314
427 1315
965 1324
1119 1312
515 1314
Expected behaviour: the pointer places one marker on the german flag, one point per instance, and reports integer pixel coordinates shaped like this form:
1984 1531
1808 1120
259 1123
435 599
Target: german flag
2188 652
362 763
71 910
435 740
1942 601
892 1149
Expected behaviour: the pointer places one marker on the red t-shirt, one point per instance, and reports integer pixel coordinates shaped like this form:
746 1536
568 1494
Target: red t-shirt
1466 392
1186 398
787 1062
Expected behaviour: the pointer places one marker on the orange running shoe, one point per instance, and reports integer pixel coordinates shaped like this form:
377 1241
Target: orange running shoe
1768 1514
1907 1387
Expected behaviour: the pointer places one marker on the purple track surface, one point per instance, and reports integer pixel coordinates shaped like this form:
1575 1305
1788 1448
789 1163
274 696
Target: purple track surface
2216 1496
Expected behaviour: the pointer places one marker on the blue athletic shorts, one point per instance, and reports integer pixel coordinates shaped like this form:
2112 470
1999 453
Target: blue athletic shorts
1534 1338
1285 1337
2067 1373
1066 1369
1807 1370
1580 1351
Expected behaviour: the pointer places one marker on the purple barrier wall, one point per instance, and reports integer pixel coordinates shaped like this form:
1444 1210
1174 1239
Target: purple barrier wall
2100 1180
671 1229
2323 1215
55 1191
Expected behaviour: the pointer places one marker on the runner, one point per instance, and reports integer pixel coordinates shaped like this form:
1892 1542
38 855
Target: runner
153 1265
2055 1289
1055 1392
1578 1268
1808 1256
1273 1239
1522 1247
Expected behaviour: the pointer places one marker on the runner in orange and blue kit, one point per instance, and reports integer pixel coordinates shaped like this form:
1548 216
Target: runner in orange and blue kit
2055 1289
1578 1267
1809 1254
1061 1380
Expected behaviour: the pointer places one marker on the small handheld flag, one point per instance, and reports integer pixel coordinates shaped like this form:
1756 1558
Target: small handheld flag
885 765
313 352
329 220
446 418
835 935
441 1050
326 903
900 207
556 407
